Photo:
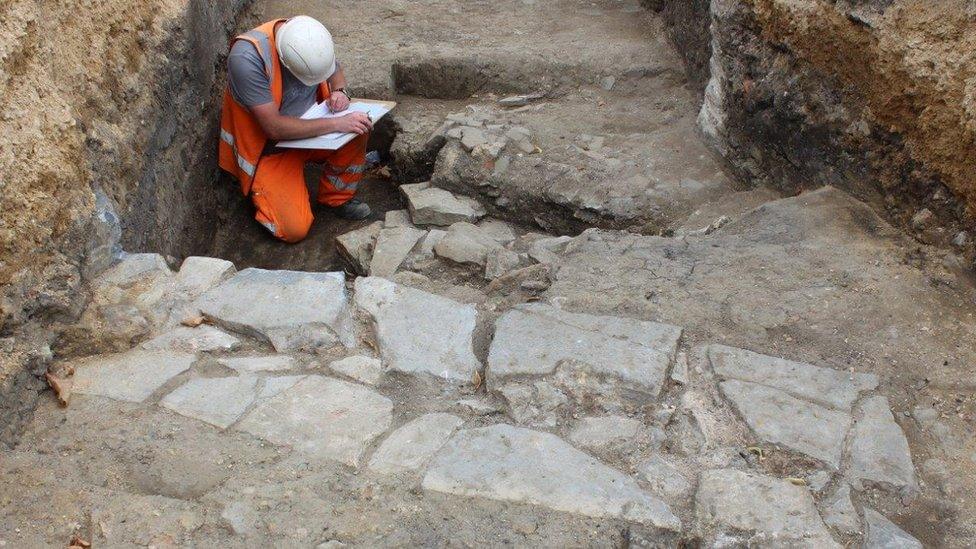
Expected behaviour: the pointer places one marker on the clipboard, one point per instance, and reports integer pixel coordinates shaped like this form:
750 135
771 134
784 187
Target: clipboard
333 141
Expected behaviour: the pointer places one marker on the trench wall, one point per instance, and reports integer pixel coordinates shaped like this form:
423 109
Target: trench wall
106 119
874 96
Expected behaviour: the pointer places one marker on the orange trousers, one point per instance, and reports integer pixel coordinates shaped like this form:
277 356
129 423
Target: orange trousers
280 194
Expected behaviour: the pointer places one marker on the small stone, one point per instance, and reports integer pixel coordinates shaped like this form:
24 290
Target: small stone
499 231
133 268
546 250
410 447
331 544
779 418
500 261
839 511
663 478
961 239
217 401
770 509
923 219
199 274
293 310
524 525
679 372
879 450
363 369
881 533
392 247
601 432
357 246
520 100
397 218
818 481
130 376
466 244
507 463
203 339
533 403
607 82
434 206
252 364
472 138
323 418
419 332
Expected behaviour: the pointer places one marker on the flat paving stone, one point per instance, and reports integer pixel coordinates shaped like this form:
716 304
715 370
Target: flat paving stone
600 432
392 247
434 206
199 274
363 369
217 401
130 376
825 386
839 512
252 364
779 418
878 449
534 339
202 338
465 243
508 463
881 533
293 310
410 447
324 418
419 332
769 512
663 477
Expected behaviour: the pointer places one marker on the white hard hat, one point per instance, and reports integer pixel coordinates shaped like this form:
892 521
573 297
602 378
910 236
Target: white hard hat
305 48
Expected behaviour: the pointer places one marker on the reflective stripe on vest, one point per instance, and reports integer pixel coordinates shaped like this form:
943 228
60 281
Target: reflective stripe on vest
264 49
242 162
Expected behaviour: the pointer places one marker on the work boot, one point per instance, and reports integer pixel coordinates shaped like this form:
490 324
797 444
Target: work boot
353 210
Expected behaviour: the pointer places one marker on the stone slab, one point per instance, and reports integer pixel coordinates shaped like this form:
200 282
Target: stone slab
534 339
397 218
363 369
839 512
324 418
410 447
293 310
217 401
419 332
130 376
252 364
878 449
779 418
881 533
508 463
392 247
199 274
771 512
465 243
434 206
357 246
200 339
831 388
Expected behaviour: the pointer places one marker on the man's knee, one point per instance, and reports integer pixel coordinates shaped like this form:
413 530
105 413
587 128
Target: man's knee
294 230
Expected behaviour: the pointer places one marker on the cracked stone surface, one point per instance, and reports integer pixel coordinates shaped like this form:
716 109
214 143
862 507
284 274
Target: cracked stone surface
839 511
779 418
725 505
323 418
293 310
824 386
664 478
441 346
601 432
392 247
363 369
519 465
130 376
881 533
357 246
534 339
878 449
217 401
410 447
200 339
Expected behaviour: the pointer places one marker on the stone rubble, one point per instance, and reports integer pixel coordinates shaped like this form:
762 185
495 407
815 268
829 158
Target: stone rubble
435 206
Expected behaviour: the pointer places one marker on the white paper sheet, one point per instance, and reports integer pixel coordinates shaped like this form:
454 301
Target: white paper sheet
334 140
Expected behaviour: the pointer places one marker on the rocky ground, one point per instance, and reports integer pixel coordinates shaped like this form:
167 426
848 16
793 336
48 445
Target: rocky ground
565 327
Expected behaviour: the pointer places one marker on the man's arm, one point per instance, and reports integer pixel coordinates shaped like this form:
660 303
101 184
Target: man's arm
279 127
338 101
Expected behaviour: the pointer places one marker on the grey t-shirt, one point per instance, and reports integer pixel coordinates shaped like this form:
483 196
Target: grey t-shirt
251 86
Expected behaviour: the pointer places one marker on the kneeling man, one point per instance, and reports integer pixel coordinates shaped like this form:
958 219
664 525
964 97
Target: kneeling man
276 72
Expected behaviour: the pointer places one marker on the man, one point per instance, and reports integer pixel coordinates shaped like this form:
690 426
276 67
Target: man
276 72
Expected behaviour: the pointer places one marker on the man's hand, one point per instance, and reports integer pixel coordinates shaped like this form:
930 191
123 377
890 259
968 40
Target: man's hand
338 101
355 122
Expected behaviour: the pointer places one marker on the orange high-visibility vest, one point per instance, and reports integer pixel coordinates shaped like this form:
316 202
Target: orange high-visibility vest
241 138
